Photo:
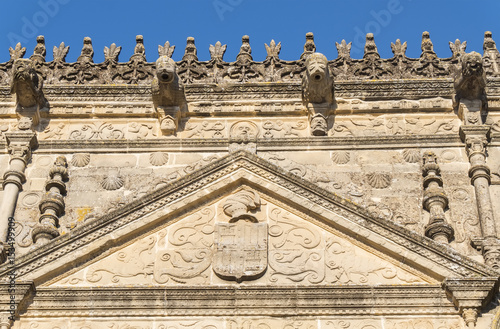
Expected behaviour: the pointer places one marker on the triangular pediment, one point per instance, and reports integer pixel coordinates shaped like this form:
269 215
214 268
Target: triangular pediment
314 237
282 247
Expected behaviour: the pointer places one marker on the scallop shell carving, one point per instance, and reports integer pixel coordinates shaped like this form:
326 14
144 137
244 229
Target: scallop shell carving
112 182
341 157
379 180
158 158
412 156
80 159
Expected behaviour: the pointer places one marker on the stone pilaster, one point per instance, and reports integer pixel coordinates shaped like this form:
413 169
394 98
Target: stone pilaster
476 140
52 204
435 201
20 144
469 295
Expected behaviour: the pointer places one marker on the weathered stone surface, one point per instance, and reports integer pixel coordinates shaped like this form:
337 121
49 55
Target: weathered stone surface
246 194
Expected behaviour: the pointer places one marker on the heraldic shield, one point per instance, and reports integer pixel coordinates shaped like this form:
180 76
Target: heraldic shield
240 250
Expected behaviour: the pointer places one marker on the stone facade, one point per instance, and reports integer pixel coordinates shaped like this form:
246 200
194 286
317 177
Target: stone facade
315 193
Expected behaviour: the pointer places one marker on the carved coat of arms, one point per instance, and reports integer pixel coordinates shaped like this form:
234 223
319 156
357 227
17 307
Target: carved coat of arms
240 245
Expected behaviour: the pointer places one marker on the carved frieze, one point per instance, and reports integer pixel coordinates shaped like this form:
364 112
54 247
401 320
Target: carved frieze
265 244
389 125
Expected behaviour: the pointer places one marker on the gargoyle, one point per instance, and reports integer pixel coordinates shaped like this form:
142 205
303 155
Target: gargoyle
317 91
168 94
27 85
470 83
317 84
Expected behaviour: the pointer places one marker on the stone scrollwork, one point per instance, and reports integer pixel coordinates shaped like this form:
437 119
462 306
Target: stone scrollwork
205 129
280 129
300 253
178 254
92 130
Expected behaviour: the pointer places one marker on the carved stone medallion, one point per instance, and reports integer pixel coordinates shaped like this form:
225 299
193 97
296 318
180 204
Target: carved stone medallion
240 250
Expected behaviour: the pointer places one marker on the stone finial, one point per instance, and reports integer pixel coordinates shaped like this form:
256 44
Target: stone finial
166 50
491 55
398 48
427 46
60 52
435 201
370 46
245 54
344 49
139 46
190 54
273 50
217 52
111 54
87 53
457 48
139 50
489 43
239 205
309 46
39 52
17 52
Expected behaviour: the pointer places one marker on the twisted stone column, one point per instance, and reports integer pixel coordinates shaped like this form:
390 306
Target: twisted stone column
435 201
20 143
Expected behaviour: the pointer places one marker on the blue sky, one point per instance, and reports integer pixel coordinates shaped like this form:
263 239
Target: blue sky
209 21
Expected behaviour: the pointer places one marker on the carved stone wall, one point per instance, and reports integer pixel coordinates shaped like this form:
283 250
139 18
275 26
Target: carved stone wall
216 203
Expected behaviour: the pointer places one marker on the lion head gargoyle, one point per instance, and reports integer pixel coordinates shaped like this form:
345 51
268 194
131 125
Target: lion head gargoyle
27 85
470 81
317 90
317 83
168 93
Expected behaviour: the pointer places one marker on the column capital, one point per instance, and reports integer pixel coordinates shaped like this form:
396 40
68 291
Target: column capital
469 295
470 130
20 143
490 248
